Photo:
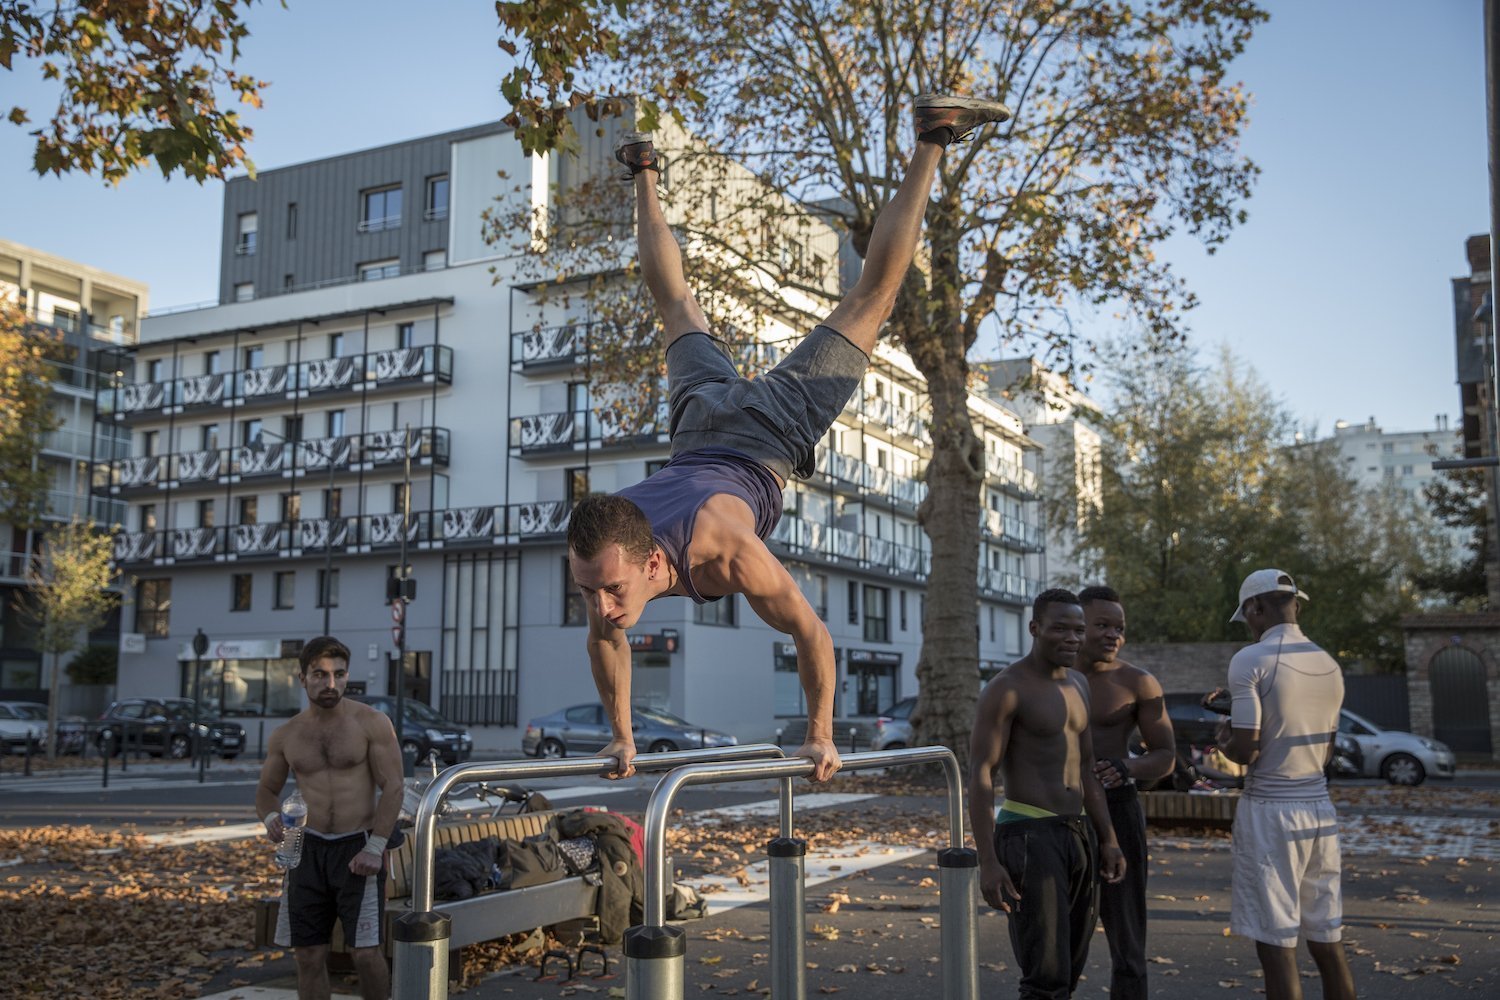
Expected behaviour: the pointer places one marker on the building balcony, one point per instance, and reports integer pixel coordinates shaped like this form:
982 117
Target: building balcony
864 479
1011 587
879 413
801 537
550 348
1013 477
573 430
369 372
1011 531
350 453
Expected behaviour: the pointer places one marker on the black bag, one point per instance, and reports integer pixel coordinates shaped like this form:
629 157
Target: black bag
533 861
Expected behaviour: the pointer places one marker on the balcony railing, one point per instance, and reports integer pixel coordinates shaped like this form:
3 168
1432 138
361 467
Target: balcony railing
346 453
486 525
1010 529
881 412
1010 586
1011 474
869 478
373 370
804 537
550 347
544 432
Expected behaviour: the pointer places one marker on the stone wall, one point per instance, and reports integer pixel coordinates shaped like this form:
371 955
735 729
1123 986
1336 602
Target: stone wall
1190 667
1426 635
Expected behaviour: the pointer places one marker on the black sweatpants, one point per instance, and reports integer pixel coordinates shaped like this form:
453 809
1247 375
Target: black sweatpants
1122 906
1053 863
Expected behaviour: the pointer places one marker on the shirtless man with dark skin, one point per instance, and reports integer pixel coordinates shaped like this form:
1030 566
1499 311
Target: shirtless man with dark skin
1038 861
341 752
1123 698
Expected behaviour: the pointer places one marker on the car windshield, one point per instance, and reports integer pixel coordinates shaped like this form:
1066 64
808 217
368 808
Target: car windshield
180 710
30 711
901 710
421 712
658 716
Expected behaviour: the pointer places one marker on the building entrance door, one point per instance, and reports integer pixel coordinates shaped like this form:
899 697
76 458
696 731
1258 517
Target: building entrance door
1460 701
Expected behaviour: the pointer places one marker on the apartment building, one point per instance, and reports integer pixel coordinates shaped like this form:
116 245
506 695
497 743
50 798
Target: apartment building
377 379
92 313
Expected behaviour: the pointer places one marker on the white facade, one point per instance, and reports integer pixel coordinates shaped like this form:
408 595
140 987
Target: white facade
496 386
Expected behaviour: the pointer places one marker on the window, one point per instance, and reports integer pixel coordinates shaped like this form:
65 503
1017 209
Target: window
291 220
213 362
249 432
398 498
1388 447
153 370
244 245
333 503
437 198
404 334
239 591
153 607
574 610
381 209
902 601
335 425
249 510
577 484
255 357
287 283
376 270
853 603
992 624
335 345
434 260
205 513
148 517
328 588
716 612
585 715
209 437
244 291
148 442
877 614
578 396
1406 470
286 589
291 429
655 466
291 507
787 698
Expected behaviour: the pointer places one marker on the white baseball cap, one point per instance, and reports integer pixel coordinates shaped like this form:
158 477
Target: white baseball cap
1265 581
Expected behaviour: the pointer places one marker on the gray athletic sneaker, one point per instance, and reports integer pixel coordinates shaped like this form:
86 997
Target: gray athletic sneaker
961 115
637 151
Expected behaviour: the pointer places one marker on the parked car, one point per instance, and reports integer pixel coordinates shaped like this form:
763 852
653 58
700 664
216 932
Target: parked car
893 728
20 720
423 730
164 727
1399 757
583 729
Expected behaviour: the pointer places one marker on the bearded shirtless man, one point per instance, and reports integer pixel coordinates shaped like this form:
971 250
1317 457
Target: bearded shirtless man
697 527
341 752
1123 698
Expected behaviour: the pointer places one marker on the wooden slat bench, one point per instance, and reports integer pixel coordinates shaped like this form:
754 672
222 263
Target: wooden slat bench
479 918
1169 808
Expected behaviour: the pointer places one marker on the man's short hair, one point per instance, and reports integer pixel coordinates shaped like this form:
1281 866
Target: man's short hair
1098 592
323 647
603 520
1054 596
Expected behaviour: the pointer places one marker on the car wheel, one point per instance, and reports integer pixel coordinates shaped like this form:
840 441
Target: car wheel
1403 769
228 756
179 747
551 749
662 746
412 748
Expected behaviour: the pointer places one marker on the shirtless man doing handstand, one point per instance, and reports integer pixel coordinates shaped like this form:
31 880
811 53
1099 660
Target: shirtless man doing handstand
341 752
697 527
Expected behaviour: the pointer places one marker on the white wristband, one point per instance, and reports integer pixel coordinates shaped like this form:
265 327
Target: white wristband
375 845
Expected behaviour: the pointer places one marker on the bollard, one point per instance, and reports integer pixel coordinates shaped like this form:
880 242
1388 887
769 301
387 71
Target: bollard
788 867
421 939
105 755
28 753
260 749
654 962
958 877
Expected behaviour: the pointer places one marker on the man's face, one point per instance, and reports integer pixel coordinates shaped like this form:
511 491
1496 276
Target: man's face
615 586
1104 632
325 680
1057 638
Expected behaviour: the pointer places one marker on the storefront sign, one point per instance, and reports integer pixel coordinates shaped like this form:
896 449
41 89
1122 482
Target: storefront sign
665 642
235 649
132 642
874 656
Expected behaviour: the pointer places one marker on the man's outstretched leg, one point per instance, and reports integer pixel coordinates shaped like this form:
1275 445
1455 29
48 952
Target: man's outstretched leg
661 258
940 120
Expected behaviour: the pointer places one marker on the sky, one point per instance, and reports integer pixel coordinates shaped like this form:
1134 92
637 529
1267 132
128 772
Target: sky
1368 124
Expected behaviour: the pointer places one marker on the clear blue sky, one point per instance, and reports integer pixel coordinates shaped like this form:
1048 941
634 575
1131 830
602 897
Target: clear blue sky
1368 123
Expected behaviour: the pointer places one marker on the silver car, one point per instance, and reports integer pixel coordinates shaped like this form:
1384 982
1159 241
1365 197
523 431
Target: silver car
893 729
583 729
1398 757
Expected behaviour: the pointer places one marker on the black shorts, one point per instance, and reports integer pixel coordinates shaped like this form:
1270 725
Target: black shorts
321 889
776 419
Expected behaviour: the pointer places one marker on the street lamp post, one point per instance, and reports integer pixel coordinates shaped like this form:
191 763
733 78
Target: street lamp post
200 646
407 764
326 590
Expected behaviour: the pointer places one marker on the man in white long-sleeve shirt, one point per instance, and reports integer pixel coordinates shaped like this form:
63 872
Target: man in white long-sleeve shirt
1286 693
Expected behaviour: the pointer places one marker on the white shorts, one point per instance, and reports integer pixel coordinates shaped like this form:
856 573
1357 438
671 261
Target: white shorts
1286 872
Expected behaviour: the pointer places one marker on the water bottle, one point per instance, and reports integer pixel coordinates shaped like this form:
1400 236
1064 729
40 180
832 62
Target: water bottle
293 818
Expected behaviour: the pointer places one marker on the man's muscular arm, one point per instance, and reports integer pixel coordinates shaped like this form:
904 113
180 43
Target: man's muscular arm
779 602
992 720
1156 732
609 659
1111 860
385 769
273 775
